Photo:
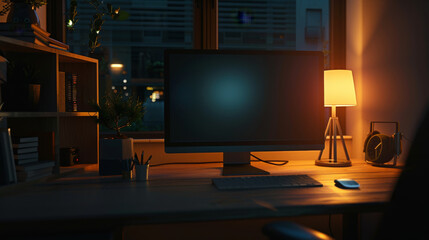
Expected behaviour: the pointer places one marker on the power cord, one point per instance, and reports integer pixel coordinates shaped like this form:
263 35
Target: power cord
173 163
272 162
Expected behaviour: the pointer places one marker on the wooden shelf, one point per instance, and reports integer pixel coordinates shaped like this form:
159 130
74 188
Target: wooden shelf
23 46
78 114
47 114
68 129
27 114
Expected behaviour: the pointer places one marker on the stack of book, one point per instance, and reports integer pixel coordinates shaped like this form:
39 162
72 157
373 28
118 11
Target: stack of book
25 150
71 92
31 33
26 154
34 171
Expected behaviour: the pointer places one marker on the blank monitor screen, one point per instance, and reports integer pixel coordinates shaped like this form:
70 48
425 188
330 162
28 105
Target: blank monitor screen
226 101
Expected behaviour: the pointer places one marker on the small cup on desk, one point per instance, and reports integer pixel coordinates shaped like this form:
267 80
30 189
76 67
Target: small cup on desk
142 172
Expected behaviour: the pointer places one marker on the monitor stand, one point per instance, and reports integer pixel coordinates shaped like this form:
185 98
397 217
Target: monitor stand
238 163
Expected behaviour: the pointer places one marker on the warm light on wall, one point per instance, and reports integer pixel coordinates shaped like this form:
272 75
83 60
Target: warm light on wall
339 88
116 66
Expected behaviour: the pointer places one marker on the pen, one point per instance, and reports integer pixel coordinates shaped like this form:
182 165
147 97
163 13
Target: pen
148 160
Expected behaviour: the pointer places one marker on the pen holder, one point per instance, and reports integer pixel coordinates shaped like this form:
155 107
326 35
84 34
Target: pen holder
127 175
142 173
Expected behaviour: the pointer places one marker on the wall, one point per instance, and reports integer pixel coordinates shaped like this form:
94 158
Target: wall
388 51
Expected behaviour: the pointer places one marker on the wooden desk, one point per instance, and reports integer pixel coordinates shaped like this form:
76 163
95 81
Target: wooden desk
181 193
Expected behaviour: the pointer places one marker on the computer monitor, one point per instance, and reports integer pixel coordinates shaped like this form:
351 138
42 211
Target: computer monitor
241 101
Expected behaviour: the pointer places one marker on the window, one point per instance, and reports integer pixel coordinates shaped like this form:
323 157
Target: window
138 43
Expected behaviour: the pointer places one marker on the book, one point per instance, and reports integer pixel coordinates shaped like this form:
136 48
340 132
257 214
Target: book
57 47
26 155
71 92
26 161
25 145
24 150
18 139
35 166
31 33
33 174
62 90
39 30
21 29
45 139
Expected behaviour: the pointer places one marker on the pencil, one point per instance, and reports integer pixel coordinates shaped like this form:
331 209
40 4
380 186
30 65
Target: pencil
148 160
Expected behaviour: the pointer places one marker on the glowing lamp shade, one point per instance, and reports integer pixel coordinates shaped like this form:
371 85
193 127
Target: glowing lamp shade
339 88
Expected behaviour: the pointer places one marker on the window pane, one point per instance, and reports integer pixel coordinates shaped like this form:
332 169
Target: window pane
138 44
274 24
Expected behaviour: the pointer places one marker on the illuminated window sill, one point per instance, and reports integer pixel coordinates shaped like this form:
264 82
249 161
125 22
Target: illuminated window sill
156 140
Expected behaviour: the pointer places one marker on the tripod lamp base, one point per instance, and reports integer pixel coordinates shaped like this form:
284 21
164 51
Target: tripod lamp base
333 163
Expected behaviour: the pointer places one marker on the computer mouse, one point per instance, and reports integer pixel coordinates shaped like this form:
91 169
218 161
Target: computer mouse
346 183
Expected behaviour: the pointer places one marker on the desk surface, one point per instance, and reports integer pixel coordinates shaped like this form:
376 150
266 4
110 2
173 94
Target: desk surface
178 193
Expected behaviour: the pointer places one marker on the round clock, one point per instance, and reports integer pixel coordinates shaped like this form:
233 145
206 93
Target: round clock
379 148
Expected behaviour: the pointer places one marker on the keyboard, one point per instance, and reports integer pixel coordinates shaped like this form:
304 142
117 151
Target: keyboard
261 182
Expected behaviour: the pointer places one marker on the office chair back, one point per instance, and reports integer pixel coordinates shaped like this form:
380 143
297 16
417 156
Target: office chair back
407 216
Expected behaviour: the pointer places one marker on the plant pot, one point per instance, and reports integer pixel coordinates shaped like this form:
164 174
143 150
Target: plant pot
21 12
21 96
112 152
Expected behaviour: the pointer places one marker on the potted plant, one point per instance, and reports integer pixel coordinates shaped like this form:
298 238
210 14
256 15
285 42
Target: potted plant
117 111
23 78
22 11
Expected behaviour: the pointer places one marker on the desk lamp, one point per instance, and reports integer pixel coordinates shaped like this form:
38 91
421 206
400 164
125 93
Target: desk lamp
339 92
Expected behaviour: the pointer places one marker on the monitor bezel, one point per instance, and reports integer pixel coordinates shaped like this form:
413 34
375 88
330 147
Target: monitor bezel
238 146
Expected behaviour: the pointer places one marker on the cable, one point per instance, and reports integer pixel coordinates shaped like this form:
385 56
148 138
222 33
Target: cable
272 162
172 163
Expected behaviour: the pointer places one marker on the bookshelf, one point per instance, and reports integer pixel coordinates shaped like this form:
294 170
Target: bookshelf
62 128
